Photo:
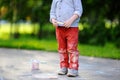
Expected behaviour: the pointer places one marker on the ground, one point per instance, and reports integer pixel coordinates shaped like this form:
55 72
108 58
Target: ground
15 64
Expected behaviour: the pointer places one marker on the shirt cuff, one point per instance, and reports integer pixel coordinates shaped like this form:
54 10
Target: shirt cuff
52 17
78 13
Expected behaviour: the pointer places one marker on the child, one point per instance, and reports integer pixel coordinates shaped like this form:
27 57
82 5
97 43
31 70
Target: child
65 16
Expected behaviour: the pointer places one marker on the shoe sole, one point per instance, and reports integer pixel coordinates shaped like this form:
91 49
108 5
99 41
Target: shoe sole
72 75
62 73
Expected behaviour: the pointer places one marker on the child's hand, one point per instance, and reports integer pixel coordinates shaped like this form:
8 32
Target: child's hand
54 22
68 23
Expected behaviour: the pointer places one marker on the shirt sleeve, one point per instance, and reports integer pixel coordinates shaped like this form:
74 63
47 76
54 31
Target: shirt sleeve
52 10
78 7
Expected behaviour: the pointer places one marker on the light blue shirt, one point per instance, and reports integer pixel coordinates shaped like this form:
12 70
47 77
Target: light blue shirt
62 10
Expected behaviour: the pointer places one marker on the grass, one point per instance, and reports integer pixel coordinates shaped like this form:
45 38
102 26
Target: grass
107 51
23 27
29 43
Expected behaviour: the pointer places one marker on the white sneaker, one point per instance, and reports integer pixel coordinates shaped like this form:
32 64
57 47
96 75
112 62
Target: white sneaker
72 73
63 71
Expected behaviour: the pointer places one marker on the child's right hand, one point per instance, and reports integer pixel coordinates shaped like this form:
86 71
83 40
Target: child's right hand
54 22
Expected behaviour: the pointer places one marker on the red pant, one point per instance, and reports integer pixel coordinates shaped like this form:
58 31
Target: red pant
67 47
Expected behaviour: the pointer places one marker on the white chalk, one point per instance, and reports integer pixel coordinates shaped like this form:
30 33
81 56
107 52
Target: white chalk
61 23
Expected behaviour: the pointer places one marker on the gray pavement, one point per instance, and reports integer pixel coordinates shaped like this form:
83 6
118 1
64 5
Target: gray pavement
15 64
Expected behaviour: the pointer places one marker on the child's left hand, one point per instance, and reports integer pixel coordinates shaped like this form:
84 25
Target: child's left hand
68 23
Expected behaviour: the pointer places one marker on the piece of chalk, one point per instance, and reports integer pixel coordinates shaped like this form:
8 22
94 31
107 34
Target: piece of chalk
60 23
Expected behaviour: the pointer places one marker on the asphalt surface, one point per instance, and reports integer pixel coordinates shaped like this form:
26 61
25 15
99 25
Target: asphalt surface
15 64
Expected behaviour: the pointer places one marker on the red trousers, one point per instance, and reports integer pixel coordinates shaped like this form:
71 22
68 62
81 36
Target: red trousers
67 47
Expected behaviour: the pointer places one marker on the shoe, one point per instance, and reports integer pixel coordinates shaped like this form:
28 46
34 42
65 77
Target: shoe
63 71
72 73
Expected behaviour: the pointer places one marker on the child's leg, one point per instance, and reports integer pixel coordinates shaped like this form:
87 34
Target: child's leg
72 43
62 47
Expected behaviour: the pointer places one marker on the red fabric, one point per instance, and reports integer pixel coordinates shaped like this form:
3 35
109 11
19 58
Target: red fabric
67 47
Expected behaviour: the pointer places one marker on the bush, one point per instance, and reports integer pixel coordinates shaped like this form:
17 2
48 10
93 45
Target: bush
117 43
94 34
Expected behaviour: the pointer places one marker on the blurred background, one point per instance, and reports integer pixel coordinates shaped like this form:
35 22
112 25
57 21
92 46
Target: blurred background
25 24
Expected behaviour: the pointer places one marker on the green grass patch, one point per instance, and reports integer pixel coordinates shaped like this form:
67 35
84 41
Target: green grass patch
107 51
28 42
